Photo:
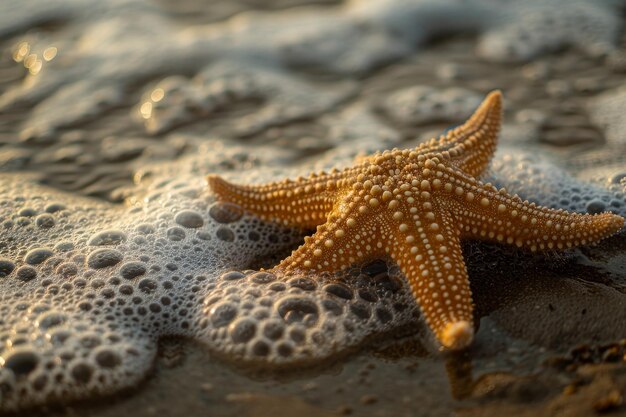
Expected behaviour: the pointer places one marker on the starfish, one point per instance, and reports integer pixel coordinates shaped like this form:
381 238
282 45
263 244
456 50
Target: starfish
415 206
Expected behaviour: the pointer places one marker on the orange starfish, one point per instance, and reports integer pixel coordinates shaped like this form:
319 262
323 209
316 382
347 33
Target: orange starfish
415 206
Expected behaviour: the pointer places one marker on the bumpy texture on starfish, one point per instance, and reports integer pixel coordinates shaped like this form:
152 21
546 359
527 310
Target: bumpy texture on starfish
415 206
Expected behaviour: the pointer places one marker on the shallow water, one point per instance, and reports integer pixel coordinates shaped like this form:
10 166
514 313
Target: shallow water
114 251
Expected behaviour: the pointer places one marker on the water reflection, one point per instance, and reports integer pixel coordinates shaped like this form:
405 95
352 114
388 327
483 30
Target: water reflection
31 60
460 377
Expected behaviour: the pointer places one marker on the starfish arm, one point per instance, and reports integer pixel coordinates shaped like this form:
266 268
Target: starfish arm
429 255
303 203
485 213
348 237
475 141
470 146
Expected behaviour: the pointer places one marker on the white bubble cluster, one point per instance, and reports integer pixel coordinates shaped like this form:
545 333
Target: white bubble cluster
279 98
423 104
87 289
531 28
537 179
607 111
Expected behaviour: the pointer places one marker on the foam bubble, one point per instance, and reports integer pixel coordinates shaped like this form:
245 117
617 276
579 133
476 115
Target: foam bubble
536 178
423 104
90 319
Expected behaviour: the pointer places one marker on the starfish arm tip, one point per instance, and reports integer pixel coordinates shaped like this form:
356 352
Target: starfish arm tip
212 179
618 221
457 335
219 185
609 225
493 101
495 94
